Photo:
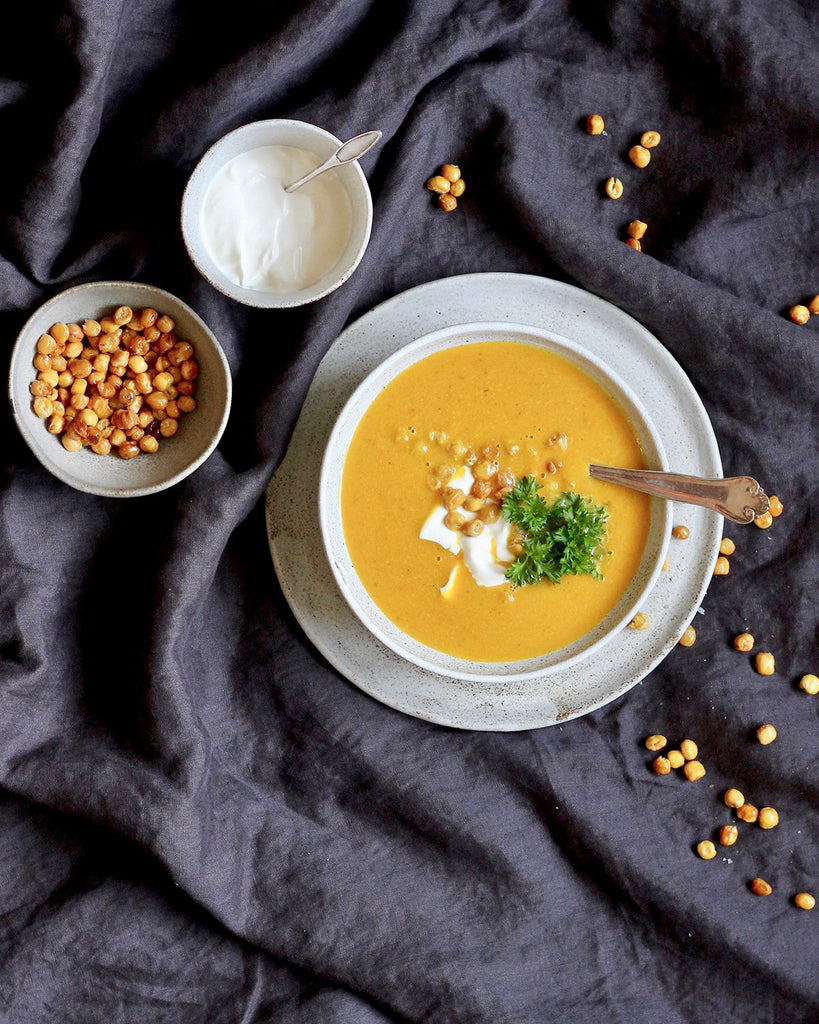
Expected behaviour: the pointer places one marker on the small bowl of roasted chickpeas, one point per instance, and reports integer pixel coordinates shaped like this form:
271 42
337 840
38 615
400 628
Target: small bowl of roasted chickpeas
119 388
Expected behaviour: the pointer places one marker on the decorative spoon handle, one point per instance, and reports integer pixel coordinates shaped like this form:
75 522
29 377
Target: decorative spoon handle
739 498
346 152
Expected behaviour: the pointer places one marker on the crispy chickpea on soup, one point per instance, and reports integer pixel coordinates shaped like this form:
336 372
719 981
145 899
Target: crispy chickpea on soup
430 470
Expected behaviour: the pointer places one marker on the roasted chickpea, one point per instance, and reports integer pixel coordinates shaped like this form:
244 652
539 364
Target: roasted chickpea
452 172
689 637
438 184
595 125
723 566
636 229
473 528
765 663
775 506
639 156
767 818
681 532
766 734
727 546
650 139
689 749
799 314
744 642
763 521
804 901
457 188
661 765
747 812
693 770
728 835
813 305
760 887
634 243
706 849
675 758
613 188
809 683
733 798
447 202
656 741
640 621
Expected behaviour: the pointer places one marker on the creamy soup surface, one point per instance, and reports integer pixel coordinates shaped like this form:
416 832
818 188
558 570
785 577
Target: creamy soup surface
500 404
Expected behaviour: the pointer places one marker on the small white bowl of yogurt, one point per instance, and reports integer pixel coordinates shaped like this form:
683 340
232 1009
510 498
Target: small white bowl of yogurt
260 245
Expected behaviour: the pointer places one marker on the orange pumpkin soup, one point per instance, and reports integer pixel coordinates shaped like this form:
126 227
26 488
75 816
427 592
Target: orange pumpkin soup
493 410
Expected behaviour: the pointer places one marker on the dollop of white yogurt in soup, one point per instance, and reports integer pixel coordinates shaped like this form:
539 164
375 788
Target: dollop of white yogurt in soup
485 556
265 239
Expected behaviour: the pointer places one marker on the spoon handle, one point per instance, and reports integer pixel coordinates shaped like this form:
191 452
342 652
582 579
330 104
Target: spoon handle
738 498
350 150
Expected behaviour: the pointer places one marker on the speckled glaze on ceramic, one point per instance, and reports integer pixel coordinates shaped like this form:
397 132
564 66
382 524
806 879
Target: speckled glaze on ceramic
294 530
333 534
301 135
109 475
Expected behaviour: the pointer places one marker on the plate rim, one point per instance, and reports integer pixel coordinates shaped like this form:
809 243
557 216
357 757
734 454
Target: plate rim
491 709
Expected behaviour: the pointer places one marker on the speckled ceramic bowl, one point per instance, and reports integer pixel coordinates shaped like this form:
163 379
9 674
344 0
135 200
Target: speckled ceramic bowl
301 135
109 475
333 533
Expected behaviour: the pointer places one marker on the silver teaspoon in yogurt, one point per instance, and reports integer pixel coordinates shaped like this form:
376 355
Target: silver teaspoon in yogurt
738 498
345 154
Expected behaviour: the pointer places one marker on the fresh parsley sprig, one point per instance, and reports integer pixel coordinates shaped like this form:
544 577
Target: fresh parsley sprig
564 538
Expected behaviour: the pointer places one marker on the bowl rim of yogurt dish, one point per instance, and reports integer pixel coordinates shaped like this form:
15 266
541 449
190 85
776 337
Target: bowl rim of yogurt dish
332 530
257 135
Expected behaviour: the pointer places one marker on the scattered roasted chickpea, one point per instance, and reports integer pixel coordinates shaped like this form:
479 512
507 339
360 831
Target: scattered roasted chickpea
613 188
765 663
681 532
767 818
775 506
727 546
813 305
747 812
640 621
809 683
457 188
447 202
675 759
744 642
650 139
760 887
728 835
799 314
595 125
733 798
723 566
452 172
661 765
636 229
693 770
634 243
804 901
689 749
639 156
656 741
438 183
766 734
763 521
706 849
689 637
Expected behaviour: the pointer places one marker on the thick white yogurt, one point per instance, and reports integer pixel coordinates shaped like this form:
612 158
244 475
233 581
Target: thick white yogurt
265 239
485 556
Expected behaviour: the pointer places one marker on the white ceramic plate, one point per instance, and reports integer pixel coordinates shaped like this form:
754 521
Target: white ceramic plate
294 533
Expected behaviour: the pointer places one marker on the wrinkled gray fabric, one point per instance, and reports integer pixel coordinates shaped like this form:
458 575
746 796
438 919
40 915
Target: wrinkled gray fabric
201 820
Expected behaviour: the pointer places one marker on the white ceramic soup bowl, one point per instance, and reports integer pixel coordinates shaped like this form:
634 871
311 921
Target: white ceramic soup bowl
255 136
341 563
110 475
